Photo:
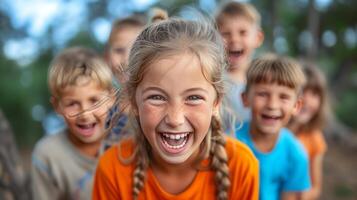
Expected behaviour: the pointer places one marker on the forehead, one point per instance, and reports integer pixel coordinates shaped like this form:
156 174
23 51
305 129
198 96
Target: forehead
178 70
83 87
237 21
125 35
273 87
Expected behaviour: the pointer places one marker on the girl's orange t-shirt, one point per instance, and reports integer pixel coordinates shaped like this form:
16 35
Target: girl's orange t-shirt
314 143
113 179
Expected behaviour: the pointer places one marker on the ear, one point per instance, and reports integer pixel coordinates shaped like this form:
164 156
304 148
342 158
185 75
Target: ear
245 100
259 38
55 105
298 106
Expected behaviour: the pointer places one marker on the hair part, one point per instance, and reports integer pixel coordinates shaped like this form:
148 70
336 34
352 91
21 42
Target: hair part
238 9
276 69
75 64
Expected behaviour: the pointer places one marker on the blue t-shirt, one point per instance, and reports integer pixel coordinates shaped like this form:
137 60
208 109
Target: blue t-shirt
284 169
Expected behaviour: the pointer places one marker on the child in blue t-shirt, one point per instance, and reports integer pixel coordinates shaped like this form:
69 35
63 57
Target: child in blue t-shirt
273 88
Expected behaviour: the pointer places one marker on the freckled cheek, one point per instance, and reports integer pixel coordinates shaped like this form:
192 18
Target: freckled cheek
150 115
199 117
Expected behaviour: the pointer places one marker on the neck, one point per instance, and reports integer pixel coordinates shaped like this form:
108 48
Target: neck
174 178
237 75
158 164
88 149
264 142
294 126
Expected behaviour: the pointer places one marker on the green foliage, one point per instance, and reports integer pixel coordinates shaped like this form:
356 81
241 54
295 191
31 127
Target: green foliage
23 87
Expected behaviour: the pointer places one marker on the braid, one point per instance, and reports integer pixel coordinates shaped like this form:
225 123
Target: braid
219 160
138 177
142 162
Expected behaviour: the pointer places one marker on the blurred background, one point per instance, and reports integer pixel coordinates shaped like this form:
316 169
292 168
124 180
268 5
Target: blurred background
323 31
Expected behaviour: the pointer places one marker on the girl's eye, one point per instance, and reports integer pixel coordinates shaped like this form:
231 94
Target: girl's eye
195 99
156 97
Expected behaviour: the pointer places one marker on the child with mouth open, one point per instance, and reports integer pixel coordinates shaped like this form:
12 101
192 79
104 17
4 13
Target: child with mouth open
274 86
239 25
178 149
63 164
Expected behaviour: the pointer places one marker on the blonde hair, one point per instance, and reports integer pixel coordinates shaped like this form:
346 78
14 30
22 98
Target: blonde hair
167 38
275 69
134 21
76 63
238 9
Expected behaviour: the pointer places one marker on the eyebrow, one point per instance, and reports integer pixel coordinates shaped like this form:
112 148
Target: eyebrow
186 91
196 89
154 88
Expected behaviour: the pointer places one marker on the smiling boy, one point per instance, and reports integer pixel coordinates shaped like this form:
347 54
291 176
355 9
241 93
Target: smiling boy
273 93
81 89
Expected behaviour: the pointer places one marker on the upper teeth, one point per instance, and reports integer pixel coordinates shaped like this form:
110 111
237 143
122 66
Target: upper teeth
175 136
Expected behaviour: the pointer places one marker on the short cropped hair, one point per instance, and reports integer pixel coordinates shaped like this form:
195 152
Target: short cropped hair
75 63
276 69
238 9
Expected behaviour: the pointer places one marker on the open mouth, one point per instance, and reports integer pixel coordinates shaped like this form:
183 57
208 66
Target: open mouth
86 129
236 53
174 142
271 117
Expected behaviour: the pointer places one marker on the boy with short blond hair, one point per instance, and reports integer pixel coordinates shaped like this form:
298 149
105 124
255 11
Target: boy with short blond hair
81 89
273 92
239 25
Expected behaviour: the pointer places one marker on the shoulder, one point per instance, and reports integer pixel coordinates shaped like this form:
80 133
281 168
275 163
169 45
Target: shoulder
114 158
318 136
239 153
242 130
48 152
292 146
50 144
112 170
288 138
243 170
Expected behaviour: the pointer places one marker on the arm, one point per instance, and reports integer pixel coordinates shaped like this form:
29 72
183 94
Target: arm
43 184
316 172
298 177
291 196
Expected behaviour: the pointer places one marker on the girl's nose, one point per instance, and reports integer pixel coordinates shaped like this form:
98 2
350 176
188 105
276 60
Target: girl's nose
175 116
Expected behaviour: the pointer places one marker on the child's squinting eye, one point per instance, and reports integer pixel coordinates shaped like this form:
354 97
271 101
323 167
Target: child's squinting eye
262 94
70 104
285 96
156 97
194 99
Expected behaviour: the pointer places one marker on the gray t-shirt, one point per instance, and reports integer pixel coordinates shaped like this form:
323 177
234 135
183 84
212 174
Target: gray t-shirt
233 113
60 171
